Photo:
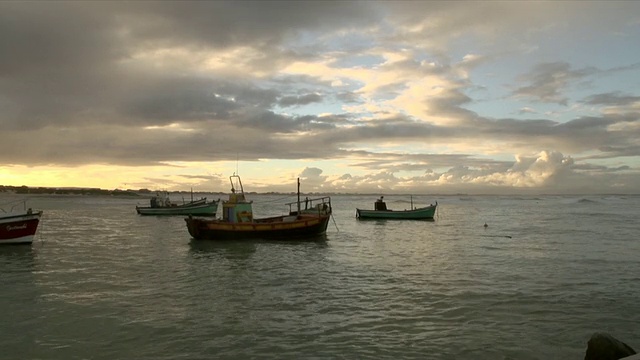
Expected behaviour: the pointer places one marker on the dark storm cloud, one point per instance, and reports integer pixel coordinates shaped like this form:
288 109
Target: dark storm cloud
53 37
178 99
67 62
277 123
226 23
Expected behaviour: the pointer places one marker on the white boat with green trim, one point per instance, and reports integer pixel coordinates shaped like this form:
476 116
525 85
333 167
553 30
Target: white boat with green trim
162 205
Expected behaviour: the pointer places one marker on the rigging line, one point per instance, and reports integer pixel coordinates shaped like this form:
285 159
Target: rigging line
334 222
14 204
272 201
39 233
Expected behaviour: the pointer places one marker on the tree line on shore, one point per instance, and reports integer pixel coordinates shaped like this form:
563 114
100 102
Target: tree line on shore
71 191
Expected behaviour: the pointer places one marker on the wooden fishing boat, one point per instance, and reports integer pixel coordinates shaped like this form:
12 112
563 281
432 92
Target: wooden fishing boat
162 205
18 226
381 212
238 222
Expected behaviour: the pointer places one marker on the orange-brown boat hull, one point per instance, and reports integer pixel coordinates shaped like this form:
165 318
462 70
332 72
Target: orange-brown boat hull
284 227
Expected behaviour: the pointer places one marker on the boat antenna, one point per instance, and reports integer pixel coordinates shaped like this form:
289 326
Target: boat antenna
237 159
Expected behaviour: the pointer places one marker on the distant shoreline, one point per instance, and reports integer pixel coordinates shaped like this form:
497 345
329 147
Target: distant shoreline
147 193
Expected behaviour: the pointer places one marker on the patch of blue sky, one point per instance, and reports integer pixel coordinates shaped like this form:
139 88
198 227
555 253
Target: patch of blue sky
601 49
622 83
316 109
358 61
493 98
609 64
601 63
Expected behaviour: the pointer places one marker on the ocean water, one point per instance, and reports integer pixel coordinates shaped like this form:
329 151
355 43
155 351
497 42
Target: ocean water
101 282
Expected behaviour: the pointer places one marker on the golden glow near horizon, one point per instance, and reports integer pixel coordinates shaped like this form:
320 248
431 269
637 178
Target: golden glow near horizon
89 176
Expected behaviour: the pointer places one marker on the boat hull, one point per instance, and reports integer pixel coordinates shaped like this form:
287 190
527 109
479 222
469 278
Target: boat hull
288 227
202 209
425 213
19 228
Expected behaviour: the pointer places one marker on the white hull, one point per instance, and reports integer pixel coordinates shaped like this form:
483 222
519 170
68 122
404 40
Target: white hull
28 239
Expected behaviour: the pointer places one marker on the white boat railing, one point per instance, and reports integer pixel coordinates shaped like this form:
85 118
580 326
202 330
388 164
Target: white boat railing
13 205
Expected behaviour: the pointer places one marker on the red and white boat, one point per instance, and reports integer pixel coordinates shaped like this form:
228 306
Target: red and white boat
18 227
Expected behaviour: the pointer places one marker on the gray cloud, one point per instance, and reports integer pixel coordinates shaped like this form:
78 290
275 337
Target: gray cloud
549 80
299 100
613 99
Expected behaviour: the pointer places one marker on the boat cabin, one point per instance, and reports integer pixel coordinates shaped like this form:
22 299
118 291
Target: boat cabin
237 209
160 200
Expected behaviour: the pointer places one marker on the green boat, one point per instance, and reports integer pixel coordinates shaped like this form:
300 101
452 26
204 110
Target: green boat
162 205
381 212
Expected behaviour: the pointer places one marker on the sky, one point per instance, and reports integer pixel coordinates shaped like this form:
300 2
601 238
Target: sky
421 97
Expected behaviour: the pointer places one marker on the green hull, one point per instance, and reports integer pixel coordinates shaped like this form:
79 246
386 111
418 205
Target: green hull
202 209
425 213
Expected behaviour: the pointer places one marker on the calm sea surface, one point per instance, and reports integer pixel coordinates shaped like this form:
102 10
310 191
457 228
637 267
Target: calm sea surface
101 282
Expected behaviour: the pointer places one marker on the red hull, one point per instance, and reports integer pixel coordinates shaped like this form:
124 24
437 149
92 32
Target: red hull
18 228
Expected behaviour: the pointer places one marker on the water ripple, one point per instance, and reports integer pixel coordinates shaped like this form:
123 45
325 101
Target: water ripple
105 283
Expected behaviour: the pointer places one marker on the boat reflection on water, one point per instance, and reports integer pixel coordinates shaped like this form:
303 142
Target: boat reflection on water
230 245
232 250
17 258
229 250
386 221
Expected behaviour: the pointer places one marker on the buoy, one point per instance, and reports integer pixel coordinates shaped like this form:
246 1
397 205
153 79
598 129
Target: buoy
485 225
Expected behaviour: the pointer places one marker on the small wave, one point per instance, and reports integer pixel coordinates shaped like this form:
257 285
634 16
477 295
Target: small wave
486 247
520 198
498 236
586 201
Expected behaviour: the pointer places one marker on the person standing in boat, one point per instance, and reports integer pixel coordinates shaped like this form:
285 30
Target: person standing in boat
380 205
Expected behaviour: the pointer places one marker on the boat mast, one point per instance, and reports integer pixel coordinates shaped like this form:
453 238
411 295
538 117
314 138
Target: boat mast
411 197
298 196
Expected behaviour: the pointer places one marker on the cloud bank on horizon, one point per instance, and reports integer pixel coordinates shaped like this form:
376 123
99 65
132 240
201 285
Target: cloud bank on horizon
351 96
